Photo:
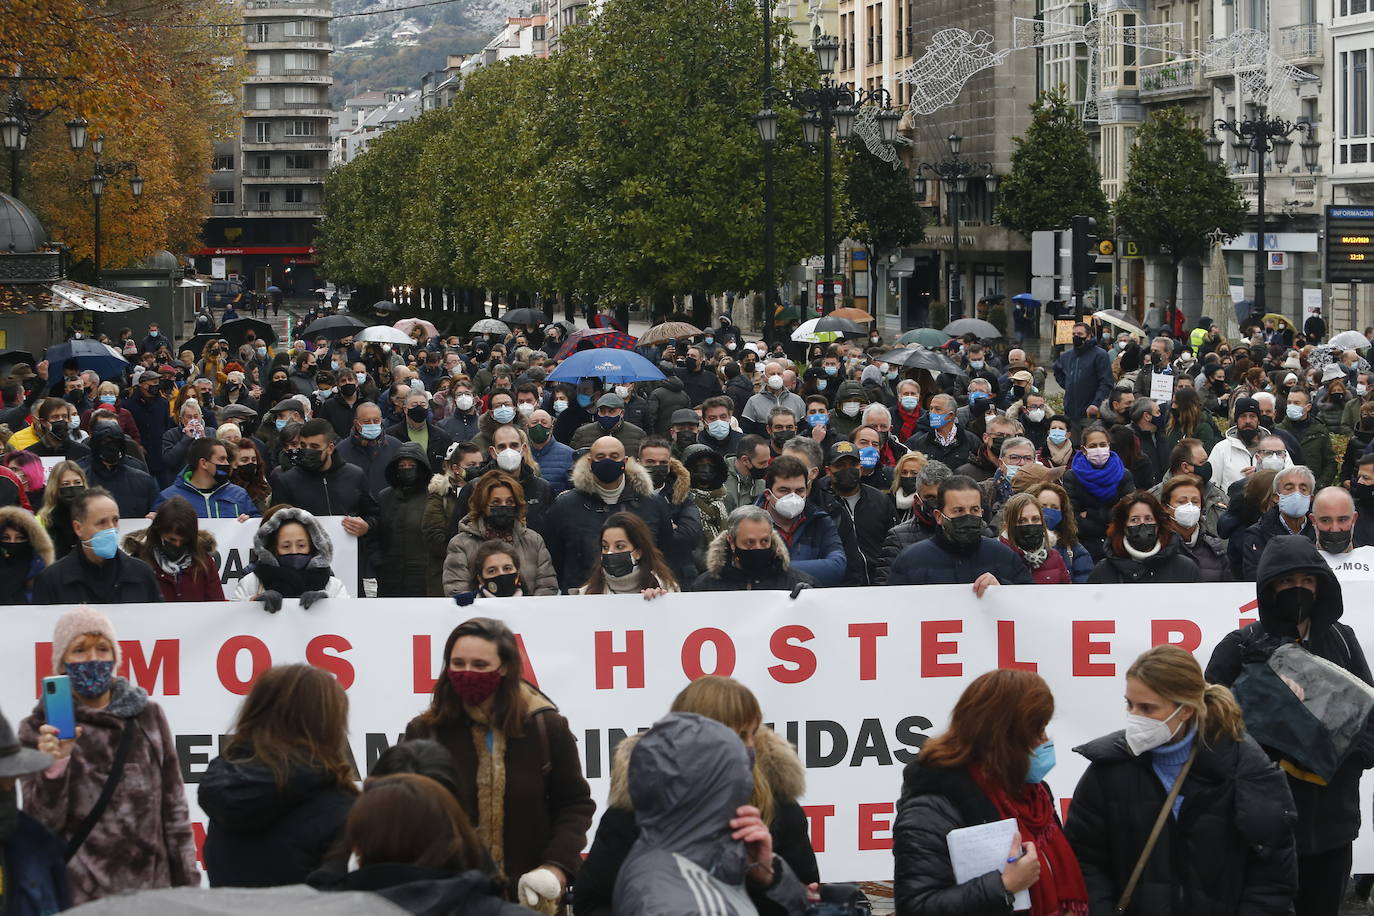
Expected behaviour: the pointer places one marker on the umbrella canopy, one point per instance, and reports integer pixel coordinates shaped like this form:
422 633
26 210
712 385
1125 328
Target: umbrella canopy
273 289
1118 318
527 317
607 364
825 329
918 357
926 337
197 344
852 314
407 326
236 331
668 330
1282 320
382 333
975 326
332 328
385 307
105 361
1346 340
489 326
16 357
1026 299
595 338
784 315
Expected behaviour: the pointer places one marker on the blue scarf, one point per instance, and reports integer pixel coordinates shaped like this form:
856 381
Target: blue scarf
1100 482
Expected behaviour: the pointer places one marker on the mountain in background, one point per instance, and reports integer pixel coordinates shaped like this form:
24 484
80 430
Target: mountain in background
395 47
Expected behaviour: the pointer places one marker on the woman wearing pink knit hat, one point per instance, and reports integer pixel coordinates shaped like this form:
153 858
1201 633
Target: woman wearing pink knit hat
141 837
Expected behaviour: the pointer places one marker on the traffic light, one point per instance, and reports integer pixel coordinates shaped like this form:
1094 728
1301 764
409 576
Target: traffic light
1083 233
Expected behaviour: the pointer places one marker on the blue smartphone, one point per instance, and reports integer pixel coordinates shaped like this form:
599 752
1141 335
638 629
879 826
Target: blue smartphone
57 705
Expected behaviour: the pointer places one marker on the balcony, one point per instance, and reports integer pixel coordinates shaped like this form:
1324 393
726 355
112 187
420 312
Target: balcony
289 144
278 176
295 77
285 9
1172 80
278 208
290 44
1301 44
290 110
224 209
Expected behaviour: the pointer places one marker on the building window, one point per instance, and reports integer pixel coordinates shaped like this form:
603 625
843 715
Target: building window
300 29
539 32
300 128
261 32
295 195
302 95
264 163
1359 93
224 163
264 199
263 131
224 195
262 98
299 161
262 64
299 61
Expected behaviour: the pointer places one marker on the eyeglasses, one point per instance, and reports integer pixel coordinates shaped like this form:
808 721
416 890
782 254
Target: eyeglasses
1018 460
1277 453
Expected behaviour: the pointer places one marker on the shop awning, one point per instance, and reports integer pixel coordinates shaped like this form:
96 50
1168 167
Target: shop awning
198 283
70 296
904 267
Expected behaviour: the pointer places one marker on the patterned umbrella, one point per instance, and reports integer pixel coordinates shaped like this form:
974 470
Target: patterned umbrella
605 338
407 326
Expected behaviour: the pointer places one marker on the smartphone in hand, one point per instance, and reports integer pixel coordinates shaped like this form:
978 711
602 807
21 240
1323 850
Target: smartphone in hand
57 705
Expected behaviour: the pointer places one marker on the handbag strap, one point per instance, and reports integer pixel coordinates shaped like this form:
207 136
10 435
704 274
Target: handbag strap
1164 812
126 740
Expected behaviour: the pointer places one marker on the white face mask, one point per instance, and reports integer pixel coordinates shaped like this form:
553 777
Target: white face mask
775 382
508 460
1187 514
463 402
623 391
789 506
850 408
1035 414
1145 734
525 409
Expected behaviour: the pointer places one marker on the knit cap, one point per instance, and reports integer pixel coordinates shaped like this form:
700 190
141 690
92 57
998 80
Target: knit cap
79 622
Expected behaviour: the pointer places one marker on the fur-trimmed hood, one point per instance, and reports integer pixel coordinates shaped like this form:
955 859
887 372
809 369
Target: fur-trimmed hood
27 523
637 480
132 543
439 485
718 554
680 482
264 540
778 763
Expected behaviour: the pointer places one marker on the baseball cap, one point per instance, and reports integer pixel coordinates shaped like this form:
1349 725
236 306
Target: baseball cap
843 450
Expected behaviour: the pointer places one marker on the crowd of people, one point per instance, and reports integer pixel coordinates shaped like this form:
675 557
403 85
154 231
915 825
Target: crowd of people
749 465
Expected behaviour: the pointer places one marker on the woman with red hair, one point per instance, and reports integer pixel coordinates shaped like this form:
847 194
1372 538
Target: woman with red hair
1142 546
988 766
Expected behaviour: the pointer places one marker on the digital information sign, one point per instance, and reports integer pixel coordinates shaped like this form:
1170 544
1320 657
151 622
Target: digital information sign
1349 244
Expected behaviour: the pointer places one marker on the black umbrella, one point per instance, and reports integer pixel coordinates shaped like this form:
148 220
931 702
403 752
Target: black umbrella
104 360
840 325
16 357
197 344
527 317
921 358
332 327
236 331
385 307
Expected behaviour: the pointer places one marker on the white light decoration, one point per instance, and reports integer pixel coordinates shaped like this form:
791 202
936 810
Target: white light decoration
867 128
1262 76
952 58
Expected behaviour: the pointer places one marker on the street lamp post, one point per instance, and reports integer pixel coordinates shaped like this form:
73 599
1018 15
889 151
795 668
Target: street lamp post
768 254
102 172
829 107
953 173
1259 136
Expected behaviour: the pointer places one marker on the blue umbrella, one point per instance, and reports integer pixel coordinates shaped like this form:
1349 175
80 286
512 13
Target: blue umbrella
104 361
1026 299
608 364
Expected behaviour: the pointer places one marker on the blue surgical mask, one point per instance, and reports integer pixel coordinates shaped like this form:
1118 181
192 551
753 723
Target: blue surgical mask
503 414
710 339
976 364
1059 436
361 378
262 351
1041 762
1052 517
937 419
560 406
281 424
817 419
910 402
820 384
107 399
868 457
1294 411
832 370
977 396
1295 504
105 543
371 430
718 429
584 400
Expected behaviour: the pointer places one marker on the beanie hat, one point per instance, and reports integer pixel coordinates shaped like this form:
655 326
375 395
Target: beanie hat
79 622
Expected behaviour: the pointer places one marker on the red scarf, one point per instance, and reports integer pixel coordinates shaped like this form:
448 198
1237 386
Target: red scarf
907 424
1061 889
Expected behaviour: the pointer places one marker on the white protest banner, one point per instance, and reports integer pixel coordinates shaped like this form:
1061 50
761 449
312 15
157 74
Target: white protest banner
234 540
856 678
50 462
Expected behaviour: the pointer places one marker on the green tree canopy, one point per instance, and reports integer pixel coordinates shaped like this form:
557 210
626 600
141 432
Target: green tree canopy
1054 175
882 212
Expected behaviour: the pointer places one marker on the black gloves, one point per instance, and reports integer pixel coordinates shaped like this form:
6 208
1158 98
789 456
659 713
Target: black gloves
463 599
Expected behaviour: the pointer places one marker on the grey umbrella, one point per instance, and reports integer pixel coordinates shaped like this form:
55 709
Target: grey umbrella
975 326
921 358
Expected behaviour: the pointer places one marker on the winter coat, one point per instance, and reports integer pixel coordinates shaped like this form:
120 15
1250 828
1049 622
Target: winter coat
1085 374
228 500
1094 515
340 413
700 385
1254 539
153 416
371 456
1154 450
814 545
134 491
546 809
937 561
1078 561
841 425
573 525
912 531
127 426
1213 504
617 831
426 891
740 491
686 777
538 498
35 870
16 585
403 570
1228 852
555 464
722 575
262 834
340 490
269 574
757 408
1318 454
1229 458
531 559
441 502
670 395
740 389
953 455
459 426
74 580
437 448
863 528
629 435
1209 554
687 542
1051 572
192 583
144 839
1328 816
1169 564
1359 443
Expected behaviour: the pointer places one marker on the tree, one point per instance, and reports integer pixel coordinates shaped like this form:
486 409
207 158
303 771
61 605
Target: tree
1054 174
882 212
1173 198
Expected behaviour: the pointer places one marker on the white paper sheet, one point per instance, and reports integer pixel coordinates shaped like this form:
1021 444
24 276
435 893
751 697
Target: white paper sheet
977 850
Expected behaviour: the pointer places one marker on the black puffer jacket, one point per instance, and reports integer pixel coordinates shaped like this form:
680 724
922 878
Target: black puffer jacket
1328 816
1228 853
573 526
1094 514
862 528
261 834
669 396
618 829
1170 564
403 569
913 531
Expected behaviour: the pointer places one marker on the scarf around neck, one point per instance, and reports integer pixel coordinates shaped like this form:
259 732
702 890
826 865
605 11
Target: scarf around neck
1101 482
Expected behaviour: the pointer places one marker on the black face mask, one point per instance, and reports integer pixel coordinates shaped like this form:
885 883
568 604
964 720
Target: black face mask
659 475
502 518
964 530
1030 537
296 561
907 485
59 431
110 451
928 506
1292 606
685 438
312 459
1362 492
1247 435
995 445
246 473
68 493
504 585
846 480
348 390
755 562
407 477
758 473
472 473
1142 537
1335 541
17 553
1204 471
1080 342
288 458
418 413
618 564
782 438
704 477
175 554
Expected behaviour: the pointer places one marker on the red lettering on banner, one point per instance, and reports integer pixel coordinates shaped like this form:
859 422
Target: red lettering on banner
42 665
1247 607
817 814
691 653
867 634
1085 647
525 660
781 645
341 668
608 658
198 836
144 671
422 676
933 648
1006 648
870 824
1189 633
227 663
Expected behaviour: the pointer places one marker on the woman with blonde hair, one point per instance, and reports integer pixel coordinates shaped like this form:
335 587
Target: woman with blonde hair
65 480
1024 531
1227 844
779 783
497 512
904 485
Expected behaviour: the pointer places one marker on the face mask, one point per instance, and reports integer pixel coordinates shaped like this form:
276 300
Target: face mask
474 687
407 477
659 475
1080 342
868 457
110 451
710 340
693 365
583 400
608 423
18 553
1041 762
703 477
846 480
756 561
909 402
502 586
60 429
1291 607
1187 515
937 420
288 458
907 485
1059 436
975 396
281 424
348 390
370 430
68 493
816 419
1035 414
1294 412
502 518
618 564
757 473
608 470
684 438
311 459
1052 517
296 561
91 679
262 351
976 363
1334 541
820 384
1362 492
718 429
1097 455
1295 504
850 408
965 530
789 506
1272 463
105 543
503 414
1145 734
222 472
623 391
1248 435
831 370
417 414
730 346
775 382
107 399
245 473
995 444
360 378
1361 390
539 434
783 437
1142 537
